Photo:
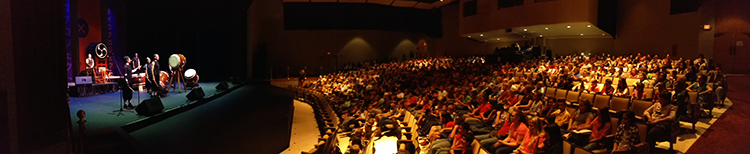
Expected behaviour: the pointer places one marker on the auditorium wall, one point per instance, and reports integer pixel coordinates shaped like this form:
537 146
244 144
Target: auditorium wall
452 44
646 26
567 46
309 48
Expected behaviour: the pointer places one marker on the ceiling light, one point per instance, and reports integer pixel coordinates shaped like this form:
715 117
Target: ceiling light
588 26
469 36
568 26
541 36
603 34
441 0
524 29
498 38
524 36
545 28
481 34
581 34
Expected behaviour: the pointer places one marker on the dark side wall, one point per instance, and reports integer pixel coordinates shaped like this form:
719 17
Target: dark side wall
272 47
34 114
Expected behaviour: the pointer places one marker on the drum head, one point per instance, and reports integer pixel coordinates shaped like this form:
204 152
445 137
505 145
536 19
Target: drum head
174 61
189 74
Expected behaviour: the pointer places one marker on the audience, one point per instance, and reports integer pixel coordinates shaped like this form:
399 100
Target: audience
455 99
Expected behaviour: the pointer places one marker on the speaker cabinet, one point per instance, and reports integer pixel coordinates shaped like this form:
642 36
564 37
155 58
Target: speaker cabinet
222 86
150 107
196 94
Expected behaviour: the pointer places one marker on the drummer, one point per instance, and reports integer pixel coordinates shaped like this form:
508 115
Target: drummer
155 69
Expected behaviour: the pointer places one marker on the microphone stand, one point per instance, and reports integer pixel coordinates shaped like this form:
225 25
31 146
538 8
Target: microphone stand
122 90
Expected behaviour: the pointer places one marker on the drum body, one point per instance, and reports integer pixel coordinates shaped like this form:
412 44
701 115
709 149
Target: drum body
190 74
177 61
163 79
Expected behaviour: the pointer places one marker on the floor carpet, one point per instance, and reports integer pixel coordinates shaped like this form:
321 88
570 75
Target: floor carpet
729 133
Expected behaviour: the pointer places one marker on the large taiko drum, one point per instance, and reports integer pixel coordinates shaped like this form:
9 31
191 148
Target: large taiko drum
177 61
190 74
163 79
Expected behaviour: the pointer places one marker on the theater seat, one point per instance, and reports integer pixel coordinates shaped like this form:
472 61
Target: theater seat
550 93
601 101
587 96
649 92
572 98
639 106
619 104
561 94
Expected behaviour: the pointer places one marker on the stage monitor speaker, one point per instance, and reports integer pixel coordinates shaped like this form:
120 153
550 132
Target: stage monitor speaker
150 107
222 86
196 94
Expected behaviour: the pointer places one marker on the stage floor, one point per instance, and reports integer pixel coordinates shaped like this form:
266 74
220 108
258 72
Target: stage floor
99 108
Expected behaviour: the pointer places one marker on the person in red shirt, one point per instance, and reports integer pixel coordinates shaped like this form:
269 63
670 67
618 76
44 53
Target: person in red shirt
600 127
517 131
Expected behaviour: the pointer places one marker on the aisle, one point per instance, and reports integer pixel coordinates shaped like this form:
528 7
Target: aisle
729 134
304 129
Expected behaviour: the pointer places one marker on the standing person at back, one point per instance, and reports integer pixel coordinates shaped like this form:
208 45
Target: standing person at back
302 76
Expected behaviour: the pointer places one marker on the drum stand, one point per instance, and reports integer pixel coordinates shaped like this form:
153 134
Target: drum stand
179 80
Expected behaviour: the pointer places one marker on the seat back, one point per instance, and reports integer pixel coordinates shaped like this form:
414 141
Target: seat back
550 93
567 147
642 131
693 96
630 81
601 101
475 146
639 106
619 104
573 96
561 94
649 92
586 96
615 123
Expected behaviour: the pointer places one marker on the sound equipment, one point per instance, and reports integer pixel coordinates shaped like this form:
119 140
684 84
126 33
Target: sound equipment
222 86
150 107
196 94
84 80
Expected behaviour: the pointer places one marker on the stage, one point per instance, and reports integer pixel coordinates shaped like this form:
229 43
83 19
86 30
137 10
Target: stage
99 108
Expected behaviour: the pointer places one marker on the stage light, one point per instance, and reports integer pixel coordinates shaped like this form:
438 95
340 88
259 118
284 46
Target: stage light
568 26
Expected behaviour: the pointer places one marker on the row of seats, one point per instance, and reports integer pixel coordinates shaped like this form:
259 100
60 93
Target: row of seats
616 104
325 117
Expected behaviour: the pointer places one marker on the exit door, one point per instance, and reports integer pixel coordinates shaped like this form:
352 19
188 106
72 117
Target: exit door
732 51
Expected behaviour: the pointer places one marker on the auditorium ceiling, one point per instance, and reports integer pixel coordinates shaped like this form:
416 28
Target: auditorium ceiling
419 4
560 30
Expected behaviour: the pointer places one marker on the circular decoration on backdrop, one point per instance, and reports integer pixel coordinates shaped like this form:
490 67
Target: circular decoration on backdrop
83 28
99 49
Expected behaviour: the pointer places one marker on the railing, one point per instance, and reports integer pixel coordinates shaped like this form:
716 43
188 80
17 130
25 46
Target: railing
325 117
